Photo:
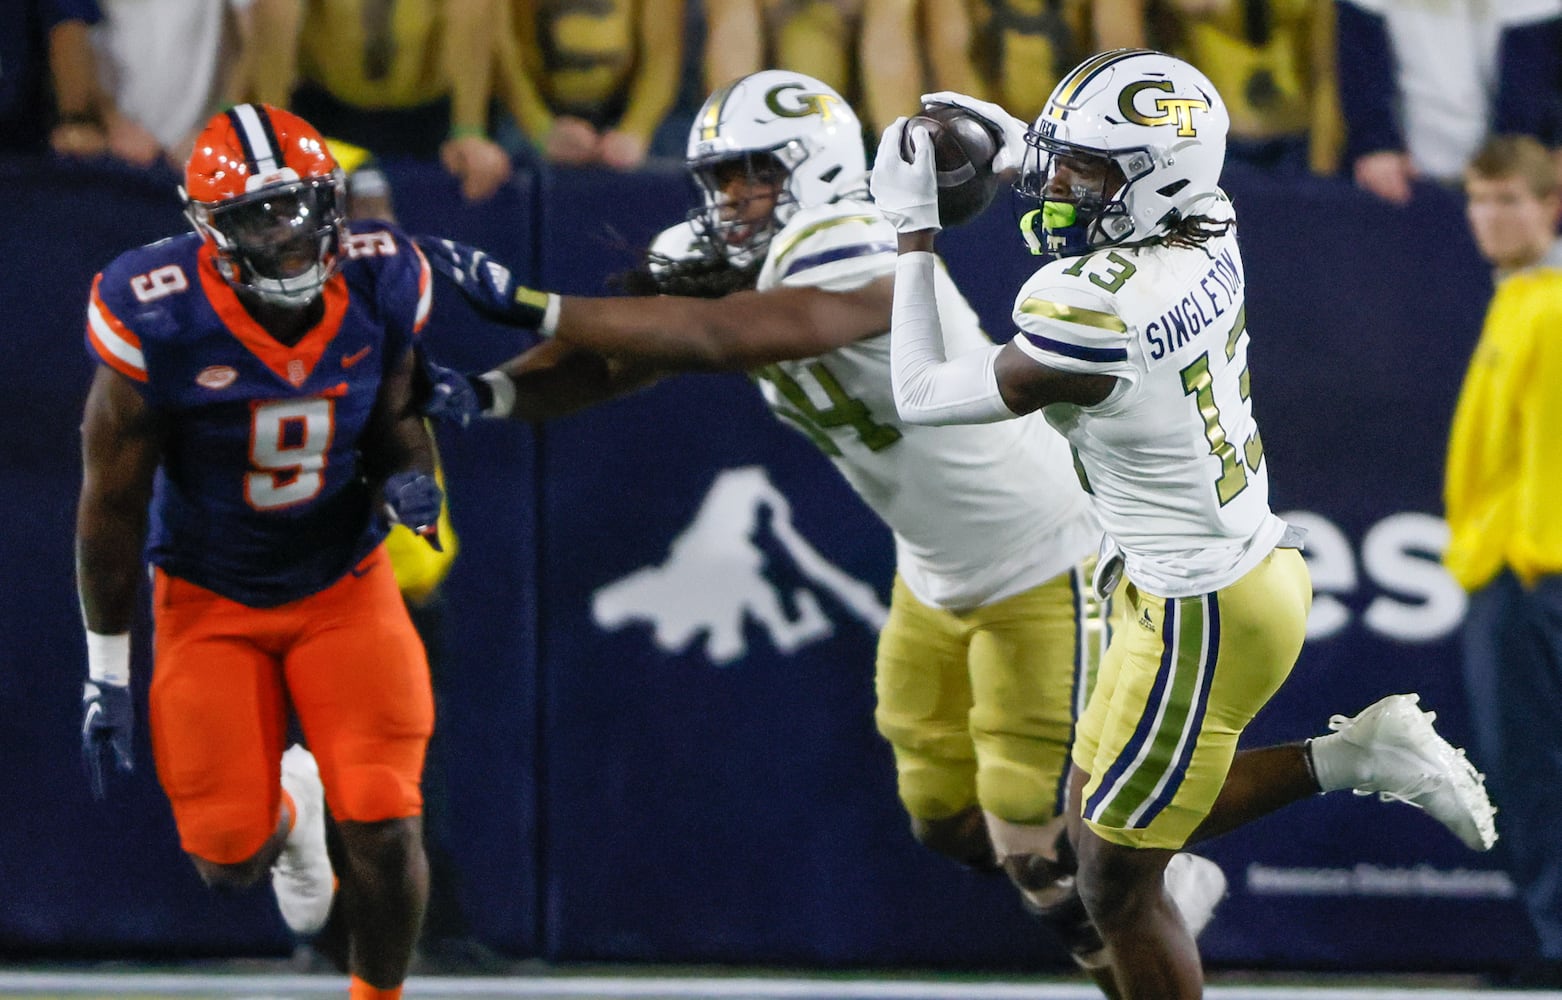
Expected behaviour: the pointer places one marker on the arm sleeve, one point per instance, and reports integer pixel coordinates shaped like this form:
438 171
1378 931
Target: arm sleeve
654 85
929 389
518 75
1365 65
469 55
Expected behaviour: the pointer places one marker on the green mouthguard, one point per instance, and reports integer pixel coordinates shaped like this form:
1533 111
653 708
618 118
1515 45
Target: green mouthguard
1057 215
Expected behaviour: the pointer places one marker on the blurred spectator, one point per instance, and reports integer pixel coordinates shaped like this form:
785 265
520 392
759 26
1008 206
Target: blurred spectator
50 93
1505 541
590 82
1272 60
170 65
1020 49
815 37
1423 84
402 78
1128 24
871 51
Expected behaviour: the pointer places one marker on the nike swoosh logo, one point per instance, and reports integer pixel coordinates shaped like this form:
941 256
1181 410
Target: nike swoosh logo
351 359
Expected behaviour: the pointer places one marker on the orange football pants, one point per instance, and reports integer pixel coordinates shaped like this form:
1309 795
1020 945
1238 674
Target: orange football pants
347 660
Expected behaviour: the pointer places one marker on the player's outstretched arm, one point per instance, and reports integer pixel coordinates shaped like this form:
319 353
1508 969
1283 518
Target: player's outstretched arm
555 378
741 331
549 380
121 448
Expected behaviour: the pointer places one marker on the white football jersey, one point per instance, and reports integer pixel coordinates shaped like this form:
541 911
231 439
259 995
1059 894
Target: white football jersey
978 513
1172 457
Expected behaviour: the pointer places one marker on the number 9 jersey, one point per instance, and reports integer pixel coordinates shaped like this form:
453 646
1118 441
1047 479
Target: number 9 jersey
261 495
1173 456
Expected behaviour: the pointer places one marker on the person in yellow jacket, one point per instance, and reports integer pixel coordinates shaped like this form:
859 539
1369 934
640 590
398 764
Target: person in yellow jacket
1503 481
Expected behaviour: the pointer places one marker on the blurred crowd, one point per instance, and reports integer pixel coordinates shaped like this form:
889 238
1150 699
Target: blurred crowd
1384 92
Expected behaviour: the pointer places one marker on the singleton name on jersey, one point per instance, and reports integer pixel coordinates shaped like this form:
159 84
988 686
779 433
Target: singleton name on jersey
1179 325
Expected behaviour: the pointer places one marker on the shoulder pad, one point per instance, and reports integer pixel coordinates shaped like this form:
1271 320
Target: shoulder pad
139 297
843 244
403 279
1066 322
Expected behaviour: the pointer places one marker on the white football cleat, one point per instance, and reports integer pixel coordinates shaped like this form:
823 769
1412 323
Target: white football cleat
1404 760
302 876
1196 885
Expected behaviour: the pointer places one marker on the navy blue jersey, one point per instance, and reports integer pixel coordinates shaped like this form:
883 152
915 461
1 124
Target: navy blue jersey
261 495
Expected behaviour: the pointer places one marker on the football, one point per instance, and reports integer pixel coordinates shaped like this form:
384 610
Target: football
964 145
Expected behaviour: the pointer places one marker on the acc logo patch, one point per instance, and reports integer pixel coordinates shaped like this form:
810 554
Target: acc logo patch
1172 109
216 377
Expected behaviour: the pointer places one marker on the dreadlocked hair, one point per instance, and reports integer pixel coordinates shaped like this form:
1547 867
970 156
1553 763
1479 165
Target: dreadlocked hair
701 277
1194 231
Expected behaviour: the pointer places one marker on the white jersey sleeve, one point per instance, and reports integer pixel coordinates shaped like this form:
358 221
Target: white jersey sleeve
1067 324
837 247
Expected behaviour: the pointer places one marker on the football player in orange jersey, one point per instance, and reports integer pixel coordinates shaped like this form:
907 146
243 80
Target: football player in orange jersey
250 431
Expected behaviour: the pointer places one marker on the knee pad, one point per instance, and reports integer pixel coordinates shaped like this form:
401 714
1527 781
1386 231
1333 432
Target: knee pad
1023 791
369 793
935 770
225 836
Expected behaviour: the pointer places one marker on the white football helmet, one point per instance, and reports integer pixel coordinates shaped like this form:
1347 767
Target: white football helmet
777 126
1150 117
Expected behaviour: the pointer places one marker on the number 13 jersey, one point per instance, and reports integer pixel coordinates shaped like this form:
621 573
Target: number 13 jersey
1172 457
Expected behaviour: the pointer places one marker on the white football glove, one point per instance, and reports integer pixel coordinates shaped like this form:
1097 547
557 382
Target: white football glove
1012 152
906 192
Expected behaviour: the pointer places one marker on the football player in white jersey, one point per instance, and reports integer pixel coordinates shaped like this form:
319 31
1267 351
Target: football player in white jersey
989 650
1133 342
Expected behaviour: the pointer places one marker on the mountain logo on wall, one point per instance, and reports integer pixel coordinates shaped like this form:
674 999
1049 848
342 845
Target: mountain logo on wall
720 577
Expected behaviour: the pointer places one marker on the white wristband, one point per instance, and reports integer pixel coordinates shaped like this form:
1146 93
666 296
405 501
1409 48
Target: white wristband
550 315
108 658
504 392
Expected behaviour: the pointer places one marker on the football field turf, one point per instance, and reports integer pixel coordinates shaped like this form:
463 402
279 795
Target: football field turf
157 985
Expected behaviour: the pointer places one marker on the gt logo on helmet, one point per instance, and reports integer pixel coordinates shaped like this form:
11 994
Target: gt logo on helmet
1172 109
807 104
